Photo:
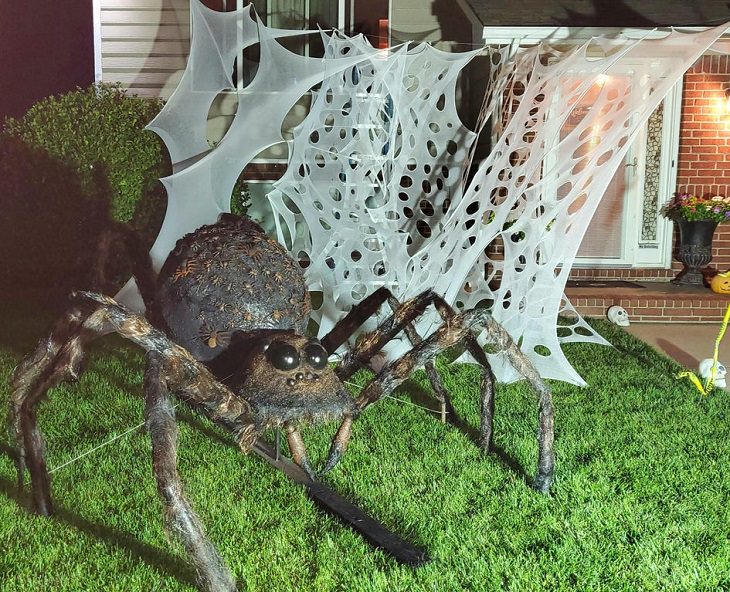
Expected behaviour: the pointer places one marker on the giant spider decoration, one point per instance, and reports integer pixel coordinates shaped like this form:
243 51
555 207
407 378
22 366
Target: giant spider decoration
228 340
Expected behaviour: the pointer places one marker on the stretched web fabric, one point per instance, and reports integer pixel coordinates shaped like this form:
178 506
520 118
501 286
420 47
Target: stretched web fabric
375 194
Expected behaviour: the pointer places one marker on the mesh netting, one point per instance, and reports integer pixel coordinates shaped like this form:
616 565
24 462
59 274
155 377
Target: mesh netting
375 194
373 171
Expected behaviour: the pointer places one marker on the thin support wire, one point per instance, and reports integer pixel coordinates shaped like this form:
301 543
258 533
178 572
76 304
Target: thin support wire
401 400
100 446
138 426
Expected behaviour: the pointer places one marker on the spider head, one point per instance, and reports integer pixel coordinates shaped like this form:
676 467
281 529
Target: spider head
286 378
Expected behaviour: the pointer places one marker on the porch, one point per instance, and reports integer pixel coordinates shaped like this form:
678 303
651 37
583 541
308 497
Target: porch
648 301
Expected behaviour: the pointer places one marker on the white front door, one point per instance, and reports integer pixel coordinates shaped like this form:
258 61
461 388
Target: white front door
627 229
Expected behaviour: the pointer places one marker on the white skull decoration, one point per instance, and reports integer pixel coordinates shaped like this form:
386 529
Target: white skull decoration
720 372
618 316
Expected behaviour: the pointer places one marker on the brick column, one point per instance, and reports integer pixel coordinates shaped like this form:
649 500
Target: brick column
704 145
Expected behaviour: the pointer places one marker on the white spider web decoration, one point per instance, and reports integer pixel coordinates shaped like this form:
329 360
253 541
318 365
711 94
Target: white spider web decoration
372 171
203 177
543 180
374 192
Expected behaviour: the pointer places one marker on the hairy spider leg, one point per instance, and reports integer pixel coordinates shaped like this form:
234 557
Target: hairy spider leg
456 329
58 357
180 518
367 347
372 342
298 449
401 320
487 381
362 351
442 395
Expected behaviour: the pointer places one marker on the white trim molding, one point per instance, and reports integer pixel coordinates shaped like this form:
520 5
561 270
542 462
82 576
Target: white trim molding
574 35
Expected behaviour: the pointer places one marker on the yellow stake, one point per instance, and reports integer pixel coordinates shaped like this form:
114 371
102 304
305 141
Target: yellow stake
707 387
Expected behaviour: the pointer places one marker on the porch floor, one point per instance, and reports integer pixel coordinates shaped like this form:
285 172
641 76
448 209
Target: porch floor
686 343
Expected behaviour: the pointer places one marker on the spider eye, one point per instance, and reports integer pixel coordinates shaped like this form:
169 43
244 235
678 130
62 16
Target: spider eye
282 355
316 355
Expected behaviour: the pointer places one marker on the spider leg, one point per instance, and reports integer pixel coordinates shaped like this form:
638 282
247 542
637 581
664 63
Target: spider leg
339 444
358 314
458 329
402 318
57 358
180 517
373 342
486 390
442 395
546 414
364 349
487 379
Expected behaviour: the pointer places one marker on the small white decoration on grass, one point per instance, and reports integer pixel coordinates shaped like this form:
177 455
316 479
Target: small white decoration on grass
618 316
705 370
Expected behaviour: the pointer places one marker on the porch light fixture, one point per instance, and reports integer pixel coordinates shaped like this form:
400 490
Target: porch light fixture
727 100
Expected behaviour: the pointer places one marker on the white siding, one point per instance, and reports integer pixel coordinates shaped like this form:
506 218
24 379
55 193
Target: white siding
144 44
414 20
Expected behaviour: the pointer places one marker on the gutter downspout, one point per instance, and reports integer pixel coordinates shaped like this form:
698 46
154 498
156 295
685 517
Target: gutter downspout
96 11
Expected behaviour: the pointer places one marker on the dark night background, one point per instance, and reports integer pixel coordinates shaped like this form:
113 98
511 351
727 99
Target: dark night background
46 48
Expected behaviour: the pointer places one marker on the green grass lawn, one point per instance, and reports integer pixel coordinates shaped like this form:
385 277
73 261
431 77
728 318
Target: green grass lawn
641 499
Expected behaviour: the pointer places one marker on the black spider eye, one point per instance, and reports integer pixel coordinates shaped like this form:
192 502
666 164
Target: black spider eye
282 355
316 355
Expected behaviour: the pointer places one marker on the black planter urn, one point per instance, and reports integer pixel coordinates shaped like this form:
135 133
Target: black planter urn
695 249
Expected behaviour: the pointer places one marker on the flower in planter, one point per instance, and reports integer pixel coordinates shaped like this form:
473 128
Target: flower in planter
694 207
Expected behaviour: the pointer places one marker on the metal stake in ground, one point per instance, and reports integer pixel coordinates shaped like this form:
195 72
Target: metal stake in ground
374 532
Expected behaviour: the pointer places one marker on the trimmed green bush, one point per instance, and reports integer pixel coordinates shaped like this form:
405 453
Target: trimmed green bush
100 126
71 169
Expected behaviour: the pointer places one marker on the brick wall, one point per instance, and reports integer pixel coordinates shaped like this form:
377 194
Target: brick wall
704 146
622 273
655 308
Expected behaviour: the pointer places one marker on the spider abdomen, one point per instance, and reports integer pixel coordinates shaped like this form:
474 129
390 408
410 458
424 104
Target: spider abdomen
227 277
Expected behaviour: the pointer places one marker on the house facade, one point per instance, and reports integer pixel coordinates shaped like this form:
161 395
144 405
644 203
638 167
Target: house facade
684 147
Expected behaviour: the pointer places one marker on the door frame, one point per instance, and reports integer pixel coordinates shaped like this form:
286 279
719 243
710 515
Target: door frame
658 253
